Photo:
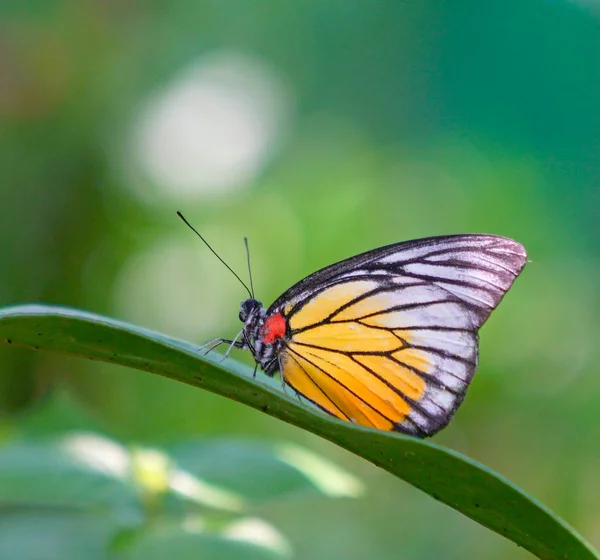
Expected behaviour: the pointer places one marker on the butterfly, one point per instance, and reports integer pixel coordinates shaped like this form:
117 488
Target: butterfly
387 339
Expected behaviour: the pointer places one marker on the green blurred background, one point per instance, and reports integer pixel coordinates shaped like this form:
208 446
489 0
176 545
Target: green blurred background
318 130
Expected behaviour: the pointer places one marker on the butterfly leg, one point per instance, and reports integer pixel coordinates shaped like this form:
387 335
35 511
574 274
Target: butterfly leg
212 344
234 343
283 383
247 342
271 371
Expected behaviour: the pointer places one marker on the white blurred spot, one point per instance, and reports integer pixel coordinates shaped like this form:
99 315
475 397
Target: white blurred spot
329 478
260 533
98 453
209 495
247 529
213 128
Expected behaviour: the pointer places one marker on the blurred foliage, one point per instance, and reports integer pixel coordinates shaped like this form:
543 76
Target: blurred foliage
449 477
394 120
82 495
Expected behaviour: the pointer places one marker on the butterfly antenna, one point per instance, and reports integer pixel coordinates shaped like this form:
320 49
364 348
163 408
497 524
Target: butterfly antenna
214 253
249 267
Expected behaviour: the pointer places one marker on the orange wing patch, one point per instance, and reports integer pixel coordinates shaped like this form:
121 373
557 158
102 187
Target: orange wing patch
386 357
301 372
349 337
397 376
415 359
328 302
300 380
392 342
363 307
351 375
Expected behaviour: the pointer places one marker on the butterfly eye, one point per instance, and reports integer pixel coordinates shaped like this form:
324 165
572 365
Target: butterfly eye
246 309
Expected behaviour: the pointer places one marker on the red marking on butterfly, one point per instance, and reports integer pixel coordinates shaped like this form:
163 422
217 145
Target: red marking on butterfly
273 328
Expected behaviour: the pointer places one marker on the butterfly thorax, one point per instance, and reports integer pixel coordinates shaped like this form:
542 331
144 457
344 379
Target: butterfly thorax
263 335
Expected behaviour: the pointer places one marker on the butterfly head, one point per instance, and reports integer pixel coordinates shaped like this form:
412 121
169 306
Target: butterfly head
250 310
252 314
263 334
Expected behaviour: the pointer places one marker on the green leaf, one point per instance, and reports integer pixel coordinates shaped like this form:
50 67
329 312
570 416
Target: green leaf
56 474
38 535
191 544
449 477
88 471
263 471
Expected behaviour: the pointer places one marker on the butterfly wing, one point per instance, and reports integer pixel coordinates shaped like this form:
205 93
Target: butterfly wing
388 339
